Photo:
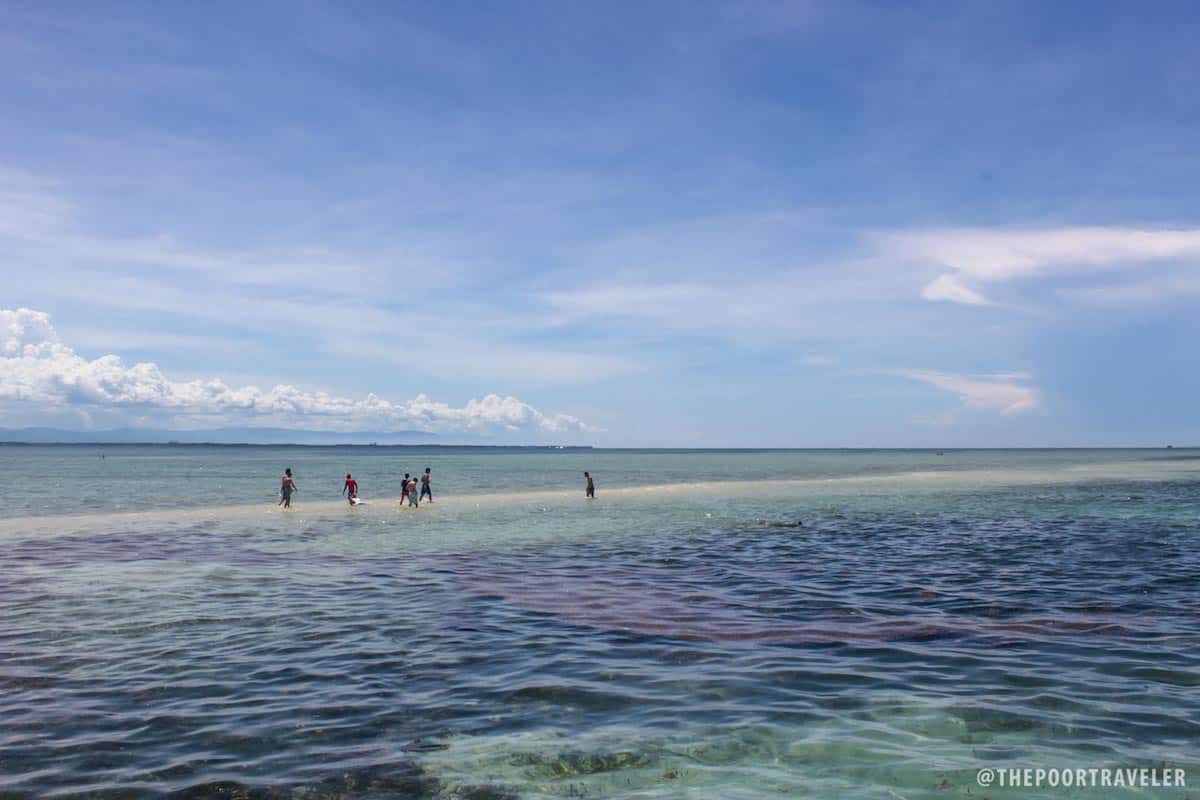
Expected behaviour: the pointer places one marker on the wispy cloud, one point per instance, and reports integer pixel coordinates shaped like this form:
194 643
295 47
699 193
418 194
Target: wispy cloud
950 287
353 303
37 367
780 306
996 256
1008 393
30 206
1183 284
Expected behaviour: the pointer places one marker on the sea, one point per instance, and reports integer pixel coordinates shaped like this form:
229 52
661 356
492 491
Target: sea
714 624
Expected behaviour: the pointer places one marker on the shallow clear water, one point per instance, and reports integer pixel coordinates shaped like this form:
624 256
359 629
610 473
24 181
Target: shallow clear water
680 636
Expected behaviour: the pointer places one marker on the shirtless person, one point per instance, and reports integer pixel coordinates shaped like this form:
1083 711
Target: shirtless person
413 502
350 489
286 489
404 490
426 489
591 487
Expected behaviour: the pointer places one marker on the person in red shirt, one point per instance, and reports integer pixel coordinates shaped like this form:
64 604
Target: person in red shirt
350 489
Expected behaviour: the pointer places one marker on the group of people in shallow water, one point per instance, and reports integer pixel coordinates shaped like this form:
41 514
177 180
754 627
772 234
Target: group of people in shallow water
408 489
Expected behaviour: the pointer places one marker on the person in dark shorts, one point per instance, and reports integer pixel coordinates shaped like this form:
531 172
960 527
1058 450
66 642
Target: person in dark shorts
404 489
426 489
591 487
286 489
350 489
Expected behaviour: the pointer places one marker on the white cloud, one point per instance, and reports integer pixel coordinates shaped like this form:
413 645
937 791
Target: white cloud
748 308
344 301
950 287
28 205
1178 285
37 367
995 256
1007 393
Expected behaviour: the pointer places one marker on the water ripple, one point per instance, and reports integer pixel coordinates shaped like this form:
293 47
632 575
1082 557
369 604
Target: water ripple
865 652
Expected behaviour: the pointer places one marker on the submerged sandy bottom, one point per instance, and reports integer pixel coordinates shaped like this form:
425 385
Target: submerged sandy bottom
477 507
877 637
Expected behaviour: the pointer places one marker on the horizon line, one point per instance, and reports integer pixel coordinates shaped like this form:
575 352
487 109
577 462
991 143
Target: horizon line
697 448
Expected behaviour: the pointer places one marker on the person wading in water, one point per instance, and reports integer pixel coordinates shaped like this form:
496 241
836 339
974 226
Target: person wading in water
287 489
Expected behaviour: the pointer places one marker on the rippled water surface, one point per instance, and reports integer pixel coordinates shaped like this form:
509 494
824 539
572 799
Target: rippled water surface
815 625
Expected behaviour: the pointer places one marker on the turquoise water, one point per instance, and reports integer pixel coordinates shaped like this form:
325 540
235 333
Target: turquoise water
819 624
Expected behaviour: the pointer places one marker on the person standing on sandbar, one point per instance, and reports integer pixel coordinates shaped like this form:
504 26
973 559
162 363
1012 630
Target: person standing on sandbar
286 489
426 488
591 487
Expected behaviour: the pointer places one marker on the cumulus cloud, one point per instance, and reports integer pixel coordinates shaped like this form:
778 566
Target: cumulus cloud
994 256
36 366
1008 393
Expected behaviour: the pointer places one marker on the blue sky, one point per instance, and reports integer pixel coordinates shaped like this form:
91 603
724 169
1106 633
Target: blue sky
666 224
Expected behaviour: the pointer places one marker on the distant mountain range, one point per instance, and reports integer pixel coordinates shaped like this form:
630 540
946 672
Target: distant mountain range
218 436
